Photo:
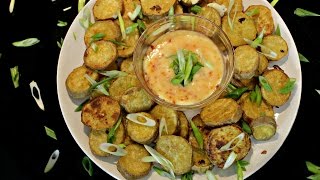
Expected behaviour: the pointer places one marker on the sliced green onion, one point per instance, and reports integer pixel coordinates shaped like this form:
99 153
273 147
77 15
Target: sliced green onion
118 43
74 36
97 37
171 11
314 177
85 21
177 79
113 73
187 176
148 159
66 9
189 66
210 175
302 58
60 43
196 9
119 152
271 54
162 172
134 118
258 95
228 147
236 93
15 76
160 159
220 8
38 100
135 13
274 2
318 91
11 6
197 134
26 43
161 29
278 32
81 4
253 12
61 23
263 81
94 47
240 168
312 167
122 146
100 87
231 158
87 165
163 124
122 26
52 161
111 134
231 3
181 61
141 25
245 127
258 40
79 108
303 13
50 133
288 87
131 28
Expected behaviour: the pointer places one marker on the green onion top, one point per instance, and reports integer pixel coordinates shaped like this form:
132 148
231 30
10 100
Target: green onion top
303 13
87 165
196 9
263 81
26 43
288 87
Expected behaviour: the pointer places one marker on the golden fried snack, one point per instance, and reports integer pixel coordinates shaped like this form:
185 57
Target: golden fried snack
211 14
277 45
263 19
200 161
106 9
127 66
246 62
184 124
136 99
121 85
156 9
170 116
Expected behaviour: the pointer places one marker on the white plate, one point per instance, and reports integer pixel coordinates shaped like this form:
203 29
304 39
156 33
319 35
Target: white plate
71 56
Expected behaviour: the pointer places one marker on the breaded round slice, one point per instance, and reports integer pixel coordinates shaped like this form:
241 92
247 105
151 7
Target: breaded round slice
178 151
100 113
200 161
121 85
130 166
246 62
237 6
170 115
76 83
127 66
108 29
277 79
263 64
129 42
219 137
96 137
251 110
136 99
100 55
129 6
155 9
221 112
140 133
243 27
276 44
106 9
184 124
263 19
211 14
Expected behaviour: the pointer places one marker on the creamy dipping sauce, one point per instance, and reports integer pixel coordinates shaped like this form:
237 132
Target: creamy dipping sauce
158 73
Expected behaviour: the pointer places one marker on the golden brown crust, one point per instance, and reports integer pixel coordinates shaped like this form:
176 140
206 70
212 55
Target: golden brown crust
130 166
136 99
106 9
156 8
127 66
276 44
170 116
263 19
121 85
100 113
177 150
263 128
263 64
246 62
129 42
200 161
184 124
76 83
211 14
221 112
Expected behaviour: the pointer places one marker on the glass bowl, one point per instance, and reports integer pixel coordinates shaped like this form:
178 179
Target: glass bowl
189 23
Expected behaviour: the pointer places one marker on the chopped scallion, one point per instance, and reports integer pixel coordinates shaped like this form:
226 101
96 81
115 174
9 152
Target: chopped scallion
258 40
318 91
26 43
162 172
302 58
52 161
119 151
131 28
11 6
141 25
97 37
231 158
15 76
274 2
112 131
113 73
228 147
231 3
118 43
60 43
240 168
236 93
81 4
135 13
163 124
122 25
38 100
278 32
61 23
253 12
74 36
258 95
288 87
134 118
67 8
50 133
312 167
94 47
303 13
79 108
98 85
245 127
87 165
263 81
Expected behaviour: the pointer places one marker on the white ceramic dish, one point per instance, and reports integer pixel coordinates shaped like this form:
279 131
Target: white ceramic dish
71 56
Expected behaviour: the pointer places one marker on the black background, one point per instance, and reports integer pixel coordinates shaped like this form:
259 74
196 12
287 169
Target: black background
25 147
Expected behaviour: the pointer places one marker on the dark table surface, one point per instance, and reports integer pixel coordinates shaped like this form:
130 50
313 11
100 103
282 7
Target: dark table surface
25 147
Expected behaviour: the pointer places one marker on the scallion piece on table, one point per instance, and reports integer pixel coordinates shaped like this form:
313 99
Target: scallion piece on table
113 73
318 91
258 40
11 6
265 83
278 32
60 43
147 121
302 58
79 108
112 131
119 151
240 168
87 165
38 100
15 76
122 26
141 25
50 133
162 172
231 158
303 13
67 8
52 161
61 23
312 167
219 7
288 87
253 12
26 43
228 146
258 95
135 13
81 4
195 9
236 93
274 2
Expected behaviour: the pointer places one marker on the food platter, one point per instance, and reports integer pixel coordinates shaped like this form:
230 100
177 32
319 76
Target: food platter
71 56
